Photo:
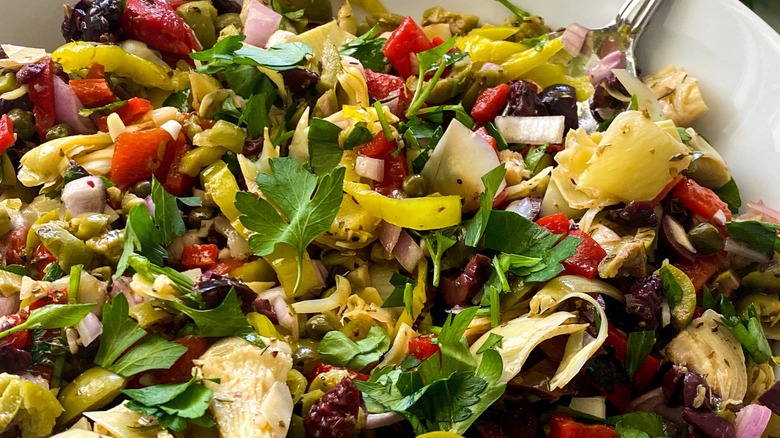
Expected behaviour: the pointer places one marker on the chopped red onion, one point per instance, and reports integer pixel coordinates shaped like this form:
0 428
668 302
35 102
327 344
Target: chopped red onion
149 205
67 106
489 66
9 304
603 69
285 316
375 421
261 23
759 211
647 401
573 38
84 195
752 420
531 130
738 248
407 252
321 272
371 168
388 235
89 329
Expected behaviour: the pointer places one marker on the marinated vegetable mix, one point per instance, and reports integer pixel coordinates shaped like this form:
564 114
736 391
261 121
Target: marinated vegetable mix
276 219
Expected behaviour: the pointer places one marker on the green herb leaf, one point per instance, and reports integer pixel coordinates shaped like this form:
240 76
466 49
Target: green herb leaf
337 349
437 243
179 100
427 61
729 194
324 150
501 143
227 319
17 269
150 271
166 213
454 348
152 353
231 51
367 49
142 236
119 331
52 316
53 272
761 236
398 297
359 135
638 425
534 157
308 214
157 394
639 346
86 112
476 226
684 136
519 13
749 332
493 340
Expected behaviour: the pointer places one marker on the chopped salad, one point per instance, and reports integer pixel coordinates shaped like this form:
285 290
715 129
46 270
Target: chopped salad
284 219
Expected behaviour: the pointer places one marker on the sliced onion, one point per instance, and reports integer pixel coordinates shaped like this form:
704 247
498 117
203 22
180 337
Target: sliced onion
407 252
532 130
321 271
150 207
375 421
67 106
261 23
285 316
9 305
354 62
528 207
645 97
371 168
573 38
237 244
84 195
759 211
89 329
489 66
388 235
738 248
603 68
752 420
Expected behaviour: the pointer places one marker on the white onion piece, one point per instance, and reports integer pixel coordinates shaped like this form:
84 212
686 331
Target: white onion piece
388 235
603 68
752 420
141 50
407 252
164 114
285 316
172 127
261 23
644 96
573 38
489 66
9 305
67 106
89 329
84 195
738 248
238 245
375 421
531 130
371 168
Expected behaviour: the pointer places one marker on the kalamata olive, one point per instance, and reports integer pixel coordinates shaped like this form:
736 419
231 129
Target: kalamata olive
318 325
521 422
264 307
459 288
30 71
771 398
644 302
676 240
24 124
299 81
561 100
523 100
92 20
214 287
603 104
14 360
671 386
197 215
696 393
59 131
23 103
415 186
142 189
227 6
637 214
709 423
338 413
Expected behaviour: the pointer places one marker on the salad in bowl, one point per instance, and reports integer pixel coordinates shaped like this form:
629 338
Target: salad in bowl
290 219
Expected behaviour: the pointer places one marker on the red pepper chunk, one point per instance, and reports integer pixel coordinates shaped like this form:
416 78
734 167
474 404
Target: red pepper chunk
489 103
482 132
181 370
644 375
137 155
92 92
156 23
41 92
699 199
557 223
406 41
422 347
564 426
396 170
7 138
586 261
379 147
382 85
200 256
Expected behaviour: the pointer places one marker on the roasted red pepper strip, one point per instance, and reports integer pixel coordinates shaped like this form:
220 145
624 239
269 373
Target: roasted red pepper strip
42 257
131 112
7 138
137 155
41 93
156 23
405 41
422 347
644 375
200 256
379 147
489 103
92 92
564 426
699 199
396 170
702 268
589 254
382 85
482 132
557 223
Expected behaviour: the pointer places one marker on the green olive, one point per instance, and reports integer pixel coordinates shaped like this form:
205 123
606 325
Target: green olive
59 131
24 124
142 189
8 82
199 214
327 380
200 15
225 20
313 10
415 186
93 389
767 306
318 325
297 384
305 352
297 429
706 238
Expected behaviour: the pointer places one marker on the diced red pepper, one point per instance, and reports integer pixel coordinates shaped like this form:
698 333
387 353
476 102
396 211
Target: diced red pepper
702 268
200 256
92 92
557 223
15 248
131 112
699 199
589 254
437 41
422 347
19 339
96 71
41 92
379 147
324 368
482 132
181 370
406 41
137 155
489 103
564 426
644 375
669 187
7 138
156 23
42 257
383 85
396 170
224 267
174 181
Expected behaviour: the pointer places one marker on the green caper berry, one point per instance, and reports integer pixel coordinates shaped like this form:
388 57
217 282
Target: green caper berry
199 214
415 186
24 124
142 189
59 131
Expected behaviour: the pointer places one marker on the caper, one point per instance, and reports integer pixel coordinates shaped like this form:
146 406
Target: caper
415 186
8 82
225 20
317 326
199 214
305 352
142 189
24 124
199 15
59 131
706 238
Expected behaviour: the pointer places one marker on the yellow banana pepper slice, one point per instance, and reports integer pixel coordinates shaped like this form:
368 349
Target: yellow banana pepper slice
222 186
520 63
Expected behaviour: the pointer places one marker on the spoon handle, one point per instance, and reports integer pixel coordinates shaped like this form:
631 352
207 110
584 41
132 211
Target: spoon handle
635 14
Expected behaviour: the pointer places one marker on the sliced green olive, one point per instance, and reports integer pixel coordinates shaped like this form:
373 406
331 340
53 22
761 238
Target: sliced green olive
415 186
24 124
91 390
706 238
59 131
8 82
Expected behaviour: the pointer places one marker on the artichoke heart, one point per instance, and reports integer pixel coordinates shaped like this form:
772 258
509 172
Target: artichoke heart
709 348
678 94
